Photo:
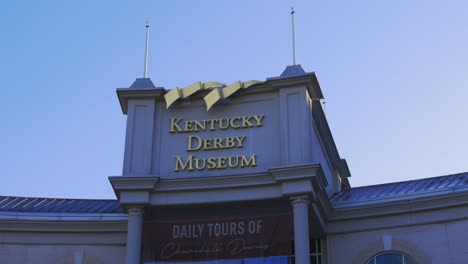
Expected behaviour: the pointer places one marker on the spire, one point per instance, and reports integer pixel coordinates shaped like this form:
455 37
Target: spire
145 82
293 37
145 72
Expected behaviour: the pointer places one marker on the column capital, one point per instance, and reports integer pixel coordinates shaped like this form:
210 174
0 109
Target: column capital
135 210
299 200
134 233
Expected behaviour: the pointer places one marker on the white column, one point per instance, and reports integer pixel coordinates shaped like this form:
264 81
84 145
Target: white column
301 230
135 226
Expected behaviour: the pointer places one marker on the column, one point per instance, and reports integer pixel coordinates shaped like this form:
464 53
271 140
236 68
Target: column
301 229
135 226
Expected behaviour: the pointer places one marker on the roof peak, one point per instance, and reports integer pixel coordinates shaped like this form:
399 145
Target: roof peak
293 70
142 83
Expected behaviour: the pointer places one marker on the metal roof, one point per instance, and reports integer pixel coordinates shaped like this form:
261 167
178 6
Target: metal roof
57 205
290 71
373 194
398 191
143 83
293 70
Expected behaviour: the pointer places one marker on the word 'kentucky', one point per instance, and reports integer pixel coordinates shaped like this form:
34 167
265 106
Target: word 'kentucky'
179 125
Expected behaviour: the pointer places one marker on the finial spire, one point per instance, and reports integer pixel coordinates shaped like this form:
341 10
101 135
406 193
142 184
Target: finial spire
145 72
293 37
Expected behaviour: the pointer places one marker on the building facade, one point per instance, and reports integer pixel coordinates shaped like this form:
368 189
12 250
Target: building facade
240 173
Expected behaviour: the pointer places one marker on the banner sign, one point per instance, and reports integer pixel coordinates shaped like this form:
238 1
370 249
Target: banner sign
217 238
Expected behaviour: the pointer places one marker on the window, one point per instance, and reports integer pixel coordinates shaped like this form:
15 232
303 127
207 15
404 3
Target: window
391 258
315 252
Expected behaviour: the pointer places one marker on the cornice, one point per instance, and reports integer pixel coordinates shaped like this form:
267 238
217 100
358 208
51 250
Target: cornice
426 210
62 217
133 183
309 79
325 204
401 206
306 179
328 141
215 182
125 94
61 226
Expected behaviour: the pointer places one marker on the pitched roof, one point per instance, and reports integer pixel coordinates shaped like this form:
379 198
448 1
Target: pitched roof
358 196
57 205
397 191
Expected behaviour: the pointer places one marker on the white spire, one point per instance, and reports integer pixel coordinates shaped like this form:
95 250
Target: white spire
293 37
145 72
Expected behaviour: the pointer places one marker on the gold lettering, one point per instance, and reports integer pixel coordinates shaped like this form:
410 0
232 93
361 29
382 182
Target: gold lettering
258 118
198 142
240 141
174 126
252 162
218 143
212 126
230 142
231 164
211 163
178 125
223 126
181 166
207 144
188 126
246 122
195 143
198 166
221 162
233 124
199 124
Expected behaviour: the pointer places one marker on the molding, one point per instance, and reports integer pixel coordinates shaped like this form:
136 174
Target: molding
48 216
76 238
216 189
326 138
125 94
308 79
133 191
60 226
133 183
319 216
296 172
215 182
431 210
400 206
399 245
324 201
301 172
306 179
300 200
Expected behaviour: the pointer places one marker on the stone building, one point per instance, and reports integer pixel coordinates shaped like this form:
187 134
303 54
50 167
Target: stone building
240 173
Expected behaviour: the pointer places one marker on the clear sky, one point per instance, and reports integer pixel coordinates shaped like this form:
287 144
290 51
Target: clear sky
394 75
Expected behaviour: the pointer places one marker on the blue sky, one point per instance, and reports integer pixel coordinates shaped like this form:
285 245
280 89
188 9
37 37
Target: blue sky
394 75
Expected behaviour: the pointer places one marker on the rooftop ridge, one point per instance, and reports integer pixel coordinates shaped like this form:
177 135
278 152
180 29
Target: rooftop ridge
413 180
34 197
403 190
59 205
